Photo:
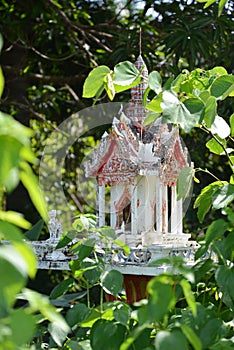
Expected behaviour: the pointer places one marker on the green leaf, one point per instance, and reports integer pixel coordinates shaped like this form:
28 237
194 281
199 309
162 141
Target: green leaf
161 299
189 296
10 232
95 82
58 327
14 218
221 6
125 73
13 279
232 124
122 314
11 128
61 288
155 82
9 155
219 70
22 326
191 336
2 82
223 196
34 232
184 182
210 111
28 256
194 105
215 146
176 112
204 200
83 250
220 127
107 335
30 182
92 269
151 117
73 345
225 279
112 282
155 104
107 232
222 86
216 230
58 333
77 314
175 340
121 88
109 86
211 332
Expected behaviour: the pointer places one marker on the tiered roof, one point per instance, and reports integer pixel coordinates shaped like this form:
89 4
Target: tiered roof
132 149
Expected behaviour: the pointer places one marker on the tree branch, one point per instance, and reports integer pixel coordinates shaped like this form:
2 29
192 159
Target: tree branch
44 78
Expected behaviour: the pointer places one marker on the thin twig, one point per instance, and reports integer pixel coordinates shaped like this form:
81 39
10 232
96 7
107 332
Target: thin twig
220 143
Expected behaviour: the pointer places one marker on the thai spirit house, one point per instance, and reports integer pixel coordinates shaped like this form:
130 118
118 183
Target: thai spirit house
137 168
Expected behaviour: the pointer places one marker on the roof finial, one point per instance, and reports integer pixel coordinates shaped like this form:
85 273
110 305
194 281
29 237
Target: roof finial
140 42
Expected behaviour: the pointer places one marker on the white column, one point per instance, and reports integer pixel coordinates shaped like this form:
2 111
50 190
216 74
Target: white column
164 209
112 207
179 205
173 210
101 204
158 205
134 226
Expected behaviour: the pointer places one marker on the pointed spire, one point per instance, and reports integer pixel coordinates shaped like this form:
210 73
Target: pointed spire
136 111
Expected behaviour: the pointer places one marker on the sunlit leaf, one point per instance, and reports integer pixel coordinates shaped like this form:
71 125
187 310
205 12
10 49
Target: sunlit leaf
14 218
29 257
155 81
112 282
215 147
204 200
9 155
223 196
222 86
151 117
125 73
189 296
121 88
210 111
220 127
176 112
95 82
232 124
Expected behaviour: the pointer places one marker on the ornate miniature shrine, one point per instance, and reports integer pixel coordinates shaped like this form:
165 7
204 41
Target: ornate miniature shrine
136 168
